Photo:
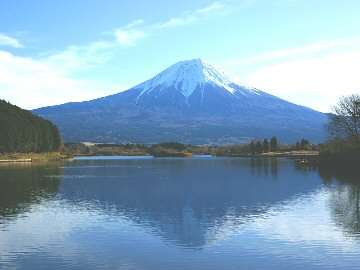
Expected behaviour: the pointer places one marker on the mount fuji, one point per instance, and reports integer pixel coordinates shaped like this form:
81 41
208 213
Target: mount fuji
189 102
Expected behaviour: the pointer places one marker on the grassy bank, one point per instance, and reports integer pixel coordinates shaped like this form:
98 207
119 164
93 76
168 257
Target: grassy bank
342 154
167 153
173 149
33 157
335 156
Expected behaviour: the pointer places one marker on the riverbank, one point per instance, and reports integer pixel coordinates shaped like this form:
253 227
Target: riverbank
172 154
33 157
301 156
287 154
173 149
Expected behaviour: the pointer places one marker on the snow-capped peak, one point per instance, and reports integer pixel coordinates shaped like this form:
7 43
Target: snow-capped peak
186 76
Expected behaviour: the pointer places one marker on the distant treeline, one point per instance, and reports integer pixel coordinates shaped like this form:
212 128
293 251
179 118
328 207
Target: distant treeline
167 148
255 147
21 131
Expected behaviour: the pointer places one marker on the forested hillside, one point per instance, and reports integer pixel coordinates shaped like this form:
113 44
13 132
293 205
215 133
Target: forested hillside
21 131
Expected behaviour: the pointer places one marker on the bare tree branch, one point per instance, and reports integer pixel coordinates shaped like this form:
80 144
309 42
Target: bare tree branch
345 123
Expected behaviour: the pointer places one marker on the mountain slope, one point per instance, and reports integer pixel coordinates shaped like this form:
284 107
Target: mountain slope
190 102
21 131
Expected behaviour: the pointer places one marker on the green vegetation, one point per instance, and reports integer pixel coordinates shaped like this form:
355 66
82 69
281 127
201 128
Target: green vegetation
24 136
303 145
162 149
340 153
343 148
81 149
264 147
33 157
21 131
170 150
273 144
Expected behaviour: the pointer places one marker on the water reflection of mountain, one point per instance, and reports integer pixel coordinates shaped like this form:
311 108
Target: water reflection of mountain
185 200
22 186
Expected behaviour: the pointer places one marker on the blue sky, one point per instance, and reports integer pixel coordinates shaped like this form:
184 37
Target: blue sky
53 52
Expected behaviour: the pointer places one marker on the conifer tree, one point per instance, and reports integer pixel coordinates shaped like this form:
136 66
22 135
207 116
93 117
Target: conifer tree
273 144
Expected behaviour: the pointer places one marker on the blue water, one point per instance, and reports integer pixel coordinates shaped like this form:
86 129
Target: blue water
193 213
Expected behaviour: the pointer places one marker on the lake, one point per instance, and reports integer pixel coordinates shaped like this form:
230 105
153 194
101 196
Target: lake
172 213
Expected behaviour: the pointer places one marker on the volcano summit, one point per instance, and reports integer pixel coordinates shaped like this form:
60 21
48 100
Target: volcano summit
189 102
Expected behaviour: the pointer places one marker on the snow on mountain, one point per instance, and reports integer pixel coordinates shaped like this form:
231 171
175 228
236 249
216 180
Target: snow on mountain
187 76
189 102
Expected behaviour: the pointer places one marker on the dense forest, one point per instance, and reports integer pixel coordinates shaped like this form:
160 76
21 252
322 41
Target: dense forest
21 131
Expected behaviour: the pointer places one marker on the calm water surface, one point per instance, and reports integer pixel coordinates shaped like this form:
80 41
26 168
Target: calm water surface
199 213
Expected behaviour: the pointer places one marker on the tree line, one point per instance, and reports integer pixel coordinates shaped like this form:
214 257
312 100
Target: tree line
343 146
265 146
21 131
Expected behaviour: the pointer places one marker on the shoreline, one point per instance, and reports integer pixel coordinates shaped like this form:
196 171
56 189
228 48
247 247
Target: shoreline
57 156
33 157
288 154
16 160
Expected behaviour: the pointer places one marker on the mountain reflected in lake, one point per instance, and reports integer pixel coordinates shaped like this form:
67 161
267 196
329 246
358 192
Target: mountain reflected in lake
182 199
197 213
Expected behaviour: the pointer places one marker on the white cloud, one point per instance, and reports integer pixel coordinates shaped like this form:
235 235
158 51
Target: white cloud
130 34
32 83
135 23
314 75
314 48
47 80
313 81
6 40
128 37
212 7
191 17
82 57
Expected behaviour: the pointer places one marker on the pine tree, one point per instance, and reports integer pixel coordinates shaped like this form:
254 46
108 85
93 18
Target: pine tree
21 131
252 147
266 146
273 144
258 147
304 143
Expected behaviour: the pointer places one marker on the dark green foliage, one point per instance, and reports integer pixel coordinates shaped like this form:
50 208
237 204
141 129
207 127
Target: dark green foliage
169 149
273 144
172 145
343 150
266 146
303 145
106 149
75 149
255 147
258 147
252 147
21 131
341 153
